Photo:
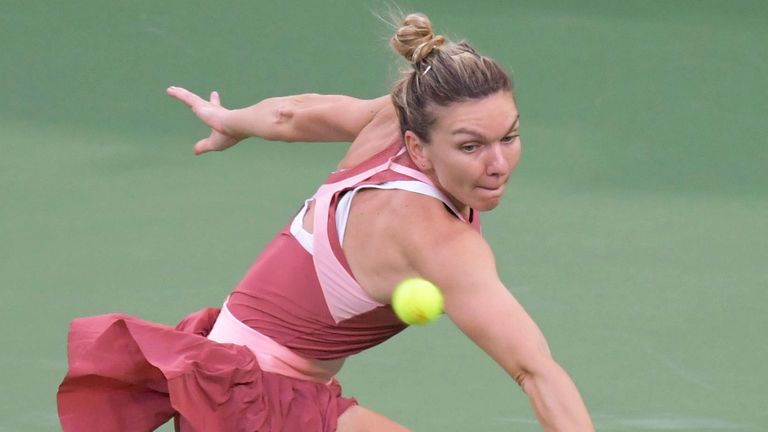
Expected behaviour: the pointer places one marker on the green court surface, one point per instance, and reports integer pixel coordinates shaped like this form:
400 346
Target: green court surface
635 230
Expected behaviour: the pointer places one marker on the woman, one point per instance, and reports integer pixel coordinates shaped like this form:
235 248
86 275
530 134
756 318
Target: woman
423 161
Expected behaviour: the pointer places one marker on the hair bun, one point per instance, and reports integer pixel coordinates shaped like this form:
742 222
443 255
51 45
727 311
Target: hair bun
414 39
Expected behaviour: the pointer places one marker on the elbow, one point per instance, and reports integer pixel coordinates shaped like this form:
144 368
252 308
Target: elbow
533 368
522 377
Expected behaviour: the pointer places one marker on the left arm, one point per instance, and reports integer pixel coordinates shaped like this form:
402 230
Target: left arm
307 117
463 266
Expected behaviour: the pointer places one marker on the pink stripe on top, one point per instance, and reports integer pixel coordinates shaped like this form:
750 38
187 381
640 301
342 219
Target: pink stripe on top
272 356
344 296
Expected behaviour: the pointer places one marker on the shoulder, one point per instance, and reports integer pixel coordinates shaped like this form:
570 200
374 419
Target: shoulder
431 236
379 132
395 234
438 246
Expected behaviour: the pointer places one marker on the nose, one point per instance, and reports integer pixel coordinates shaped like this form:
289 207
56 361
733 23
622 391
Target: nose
497 164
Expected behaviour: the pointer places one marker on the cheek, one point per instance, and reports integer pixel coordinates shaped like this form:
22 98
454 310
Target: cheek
456 171
514 155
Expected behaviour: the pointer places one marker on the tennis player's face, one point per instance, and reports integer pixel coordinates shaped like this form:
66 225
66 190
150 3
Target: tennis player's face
475 145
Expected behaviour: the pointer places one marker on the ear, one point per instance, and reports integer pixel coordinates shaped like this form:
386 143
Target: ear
418 151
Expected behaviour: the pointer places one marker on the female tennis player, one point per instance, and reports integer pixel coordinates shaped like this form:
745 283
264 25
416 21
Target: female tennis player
404 202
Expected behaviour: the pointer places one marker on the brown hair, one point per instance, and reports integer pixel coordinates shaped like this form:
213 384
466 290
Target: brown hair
442 73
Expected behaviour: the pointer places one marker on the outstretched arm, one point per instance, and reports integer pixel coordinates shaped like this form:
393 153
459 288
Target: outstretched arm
476 300
309 117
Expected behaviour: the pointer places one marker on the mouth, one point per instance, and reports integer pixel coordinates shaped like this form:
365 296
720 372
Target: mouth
492 187
493 190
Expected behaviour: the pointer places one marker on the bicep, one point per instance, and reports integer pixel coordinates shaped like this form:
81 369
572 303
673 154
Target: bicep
483 309
498 324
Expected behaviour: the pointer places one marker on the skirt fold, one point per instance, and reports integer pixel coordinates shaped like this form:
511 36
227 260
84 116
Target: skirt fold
126 374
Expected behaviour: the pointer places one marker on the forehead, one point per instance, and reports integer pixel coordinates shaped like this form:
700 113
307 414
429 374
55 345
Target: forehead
492 114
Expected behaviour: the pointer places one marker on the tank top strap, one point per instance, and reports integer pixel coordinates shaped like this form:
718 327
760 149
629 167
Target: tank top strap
344 296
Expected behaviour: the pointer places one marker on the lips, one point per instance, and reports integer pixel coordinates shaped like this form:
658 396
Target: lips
491 188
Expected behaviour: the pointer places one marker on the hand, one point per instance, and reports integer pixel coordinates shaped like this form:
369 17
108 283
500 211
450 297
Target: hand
211 113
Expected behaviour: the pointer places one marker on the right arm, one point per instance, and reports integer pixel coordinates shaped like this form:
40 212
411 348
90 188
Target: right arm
463 266
308 117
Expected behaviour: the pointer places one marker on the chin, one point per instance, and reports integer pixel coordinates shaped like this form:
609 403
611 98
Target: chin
487 200
487 206
486 203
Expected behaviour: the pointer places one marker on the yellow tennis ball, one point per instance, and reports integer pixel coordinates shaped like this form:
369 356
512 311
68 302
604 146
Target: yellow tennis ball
417 301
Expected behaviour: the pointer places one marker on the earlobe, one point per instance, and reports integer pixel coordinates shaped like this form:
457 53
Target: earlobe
417 150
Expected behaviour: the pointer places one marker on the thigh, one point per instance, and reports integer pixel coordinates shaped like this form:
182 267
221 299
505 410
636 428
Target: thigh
361 419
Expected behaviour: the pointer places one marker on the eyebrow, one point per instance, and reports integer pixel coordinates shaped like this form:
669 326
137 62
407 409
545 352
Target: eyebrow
479 135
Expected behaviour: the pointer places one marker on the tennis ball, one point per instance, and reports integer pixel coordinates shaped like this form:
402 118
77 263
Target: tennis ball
417 301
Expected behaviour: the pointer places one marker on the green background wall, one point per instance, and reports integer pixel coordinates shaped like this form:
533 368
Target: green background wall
634 231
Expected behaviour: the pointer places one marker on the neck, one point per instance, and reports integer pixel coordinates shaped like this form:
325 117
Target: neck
463 209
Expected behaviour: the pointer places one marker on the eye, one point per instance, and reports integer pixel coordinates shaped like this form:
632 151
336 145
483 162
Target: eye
469 147
510 138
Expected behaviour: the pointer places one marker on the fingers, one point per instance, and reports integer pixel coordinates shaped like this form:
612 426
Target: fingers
185 96
190 99
207 112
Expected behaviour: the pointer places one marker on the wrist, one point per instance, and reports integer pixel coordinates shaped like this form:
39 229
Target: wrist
226 120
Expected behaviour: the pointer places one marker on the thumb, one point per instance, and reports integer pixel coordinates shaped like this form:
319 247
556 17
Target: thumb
202 146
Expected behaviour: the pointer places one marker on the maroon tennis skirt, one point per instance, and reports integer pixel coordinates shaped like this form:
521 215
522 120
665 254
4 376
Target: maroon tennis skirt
129 375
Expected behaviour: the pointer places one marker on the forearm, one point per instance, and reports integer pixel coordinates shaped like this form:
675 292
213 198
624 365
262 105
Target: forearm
306 117
270 119
555 399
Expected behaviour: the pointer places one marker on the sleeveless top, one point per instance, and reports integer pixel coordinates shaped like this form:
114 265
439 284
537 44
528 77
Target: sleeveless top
300 291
